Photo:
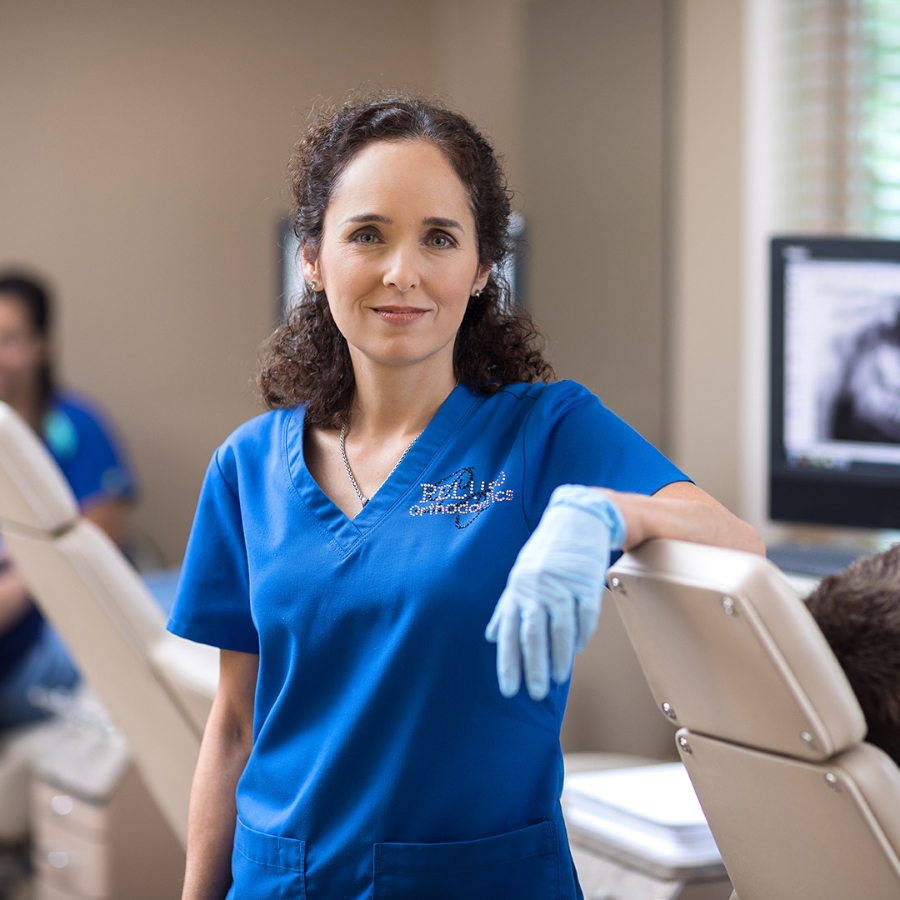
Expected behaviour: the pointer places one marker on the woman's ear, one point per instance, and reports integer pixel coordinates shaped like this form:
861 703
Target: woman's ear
483 274
310 267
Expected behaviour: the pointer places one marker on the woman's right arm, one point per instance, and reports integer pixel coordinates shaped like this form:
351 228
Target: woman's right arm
223 754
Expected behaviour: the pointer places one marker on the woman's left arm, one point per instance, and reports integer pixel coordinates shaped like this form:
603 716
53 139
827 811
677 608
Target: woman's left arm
684 512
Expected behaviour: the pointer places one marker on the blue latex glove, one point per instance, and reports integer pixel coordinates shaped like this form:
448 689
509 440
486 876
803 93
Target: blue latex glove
551 603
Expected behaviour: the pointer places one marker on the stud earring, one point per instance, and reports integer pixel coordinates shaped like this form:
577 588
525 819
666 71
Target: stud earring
314 284
477 293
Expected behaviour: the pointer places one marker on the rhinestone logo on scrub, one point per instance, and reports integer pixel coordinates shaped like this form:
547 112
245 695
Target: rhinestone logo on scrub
461 496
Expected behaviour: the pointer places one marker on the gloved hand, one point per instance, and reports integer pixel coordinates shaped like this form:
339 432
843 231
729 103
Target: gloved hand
551 603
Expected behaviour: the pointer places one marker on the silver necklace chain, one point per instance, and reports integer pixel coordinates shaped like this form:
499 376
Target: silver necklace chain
347 469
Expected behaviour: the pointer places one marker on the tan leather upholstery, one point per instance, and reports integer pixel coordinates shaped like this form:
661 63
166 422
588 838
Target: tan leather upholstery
111 624
35 494
771 731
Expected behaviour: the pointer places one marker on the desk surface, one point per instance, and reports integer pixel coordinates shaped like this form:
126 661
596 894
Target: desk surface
814 558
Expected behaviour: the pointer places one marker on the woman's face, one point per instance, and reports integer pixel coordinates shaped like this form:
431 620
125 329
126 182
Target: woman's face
22 350
398 258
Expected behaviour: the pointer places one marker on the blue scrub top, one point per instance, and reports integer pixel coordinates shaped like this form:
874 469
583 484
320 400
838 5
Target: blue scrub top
87 451
386 764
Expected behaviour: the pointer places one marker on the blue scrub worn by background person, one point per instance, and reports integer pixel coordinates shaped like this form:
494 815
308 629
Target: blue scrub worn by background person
386 763
31 653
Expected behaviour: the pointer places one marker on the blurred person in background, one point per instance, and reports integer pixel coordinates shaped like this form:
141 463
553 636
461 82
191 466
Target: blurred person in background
32 656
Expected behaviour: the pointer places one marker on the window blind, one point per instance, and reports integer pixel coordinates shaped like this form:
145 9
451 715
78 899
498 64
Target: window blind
841 96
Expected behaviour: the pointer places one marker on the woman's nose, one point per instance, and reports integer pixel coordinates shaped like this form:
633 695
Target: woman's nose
402 271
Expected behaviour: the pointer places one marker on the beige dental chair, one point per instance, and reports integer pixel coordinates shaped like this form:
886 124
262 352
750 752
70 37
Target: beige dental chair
156 687
770 731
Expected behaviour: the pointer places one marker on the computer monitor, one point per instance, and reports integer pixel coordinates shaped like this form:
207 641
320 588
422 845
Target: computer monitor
835 382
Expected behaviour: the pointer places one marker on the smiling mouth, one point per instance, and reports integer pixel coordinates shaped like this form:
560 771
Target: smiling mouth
399 314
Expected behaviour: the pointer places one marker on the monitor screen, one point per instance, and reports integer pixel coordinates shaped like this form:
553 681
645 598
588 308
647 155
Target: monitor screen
835 401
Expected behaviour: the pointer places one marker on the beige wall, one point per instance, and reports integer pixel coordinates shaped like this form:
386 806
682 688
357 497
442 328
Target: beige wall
594 196
705 228
480 63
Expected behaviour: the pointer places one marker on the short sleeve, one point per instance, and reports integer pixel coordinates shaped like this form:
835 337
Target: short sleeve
212 603
572 438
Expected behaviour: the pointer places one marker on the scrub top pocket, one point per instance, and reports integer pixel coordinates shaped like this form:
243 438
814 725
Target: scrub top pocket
522 864
267 865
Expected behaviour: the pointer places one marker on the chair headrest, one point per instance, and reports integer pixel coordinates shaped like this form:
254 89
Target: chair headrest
731 651
33 492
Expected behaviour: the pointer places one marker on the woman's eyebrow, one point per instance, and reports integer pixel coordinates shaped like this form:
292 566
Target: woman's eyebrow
443 223
369 217
434 221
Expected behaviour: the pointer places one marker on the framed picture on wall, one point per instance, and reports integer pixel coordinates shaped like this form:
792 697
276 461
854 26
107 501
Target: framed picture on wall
290 286
513 268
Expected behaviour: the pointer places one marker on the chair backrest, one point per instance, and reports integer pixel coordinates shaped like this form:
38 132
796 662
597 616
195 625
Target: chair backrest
771 732
98 604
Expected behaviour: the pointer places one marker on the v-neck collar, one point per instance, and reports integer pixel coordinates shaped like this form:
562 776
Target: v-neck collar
345 531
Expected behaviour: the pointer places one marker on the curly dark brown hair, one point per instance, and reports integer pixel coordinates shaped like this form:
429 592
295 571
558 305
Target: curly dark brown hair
858 611
307 360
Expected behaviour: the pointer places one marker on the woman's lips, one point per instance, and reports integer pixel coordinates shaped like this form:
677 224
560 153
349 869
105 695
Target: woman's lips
399 315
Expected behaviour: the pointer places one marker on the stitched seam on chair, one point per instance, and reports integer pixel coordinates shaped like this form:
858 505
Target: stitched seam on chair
40 533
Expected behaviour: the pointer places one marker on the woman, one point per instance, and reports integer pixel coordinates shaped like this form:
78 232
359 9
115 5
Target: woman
351 545
31 654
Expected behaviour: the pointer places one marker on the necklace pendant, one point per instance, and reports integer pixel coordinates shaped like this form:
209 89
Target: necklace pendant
364 501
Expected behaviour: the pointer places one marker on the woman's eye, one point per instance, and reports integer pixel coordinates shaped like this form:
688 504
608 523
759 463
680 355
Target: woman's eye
442 241
364 237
